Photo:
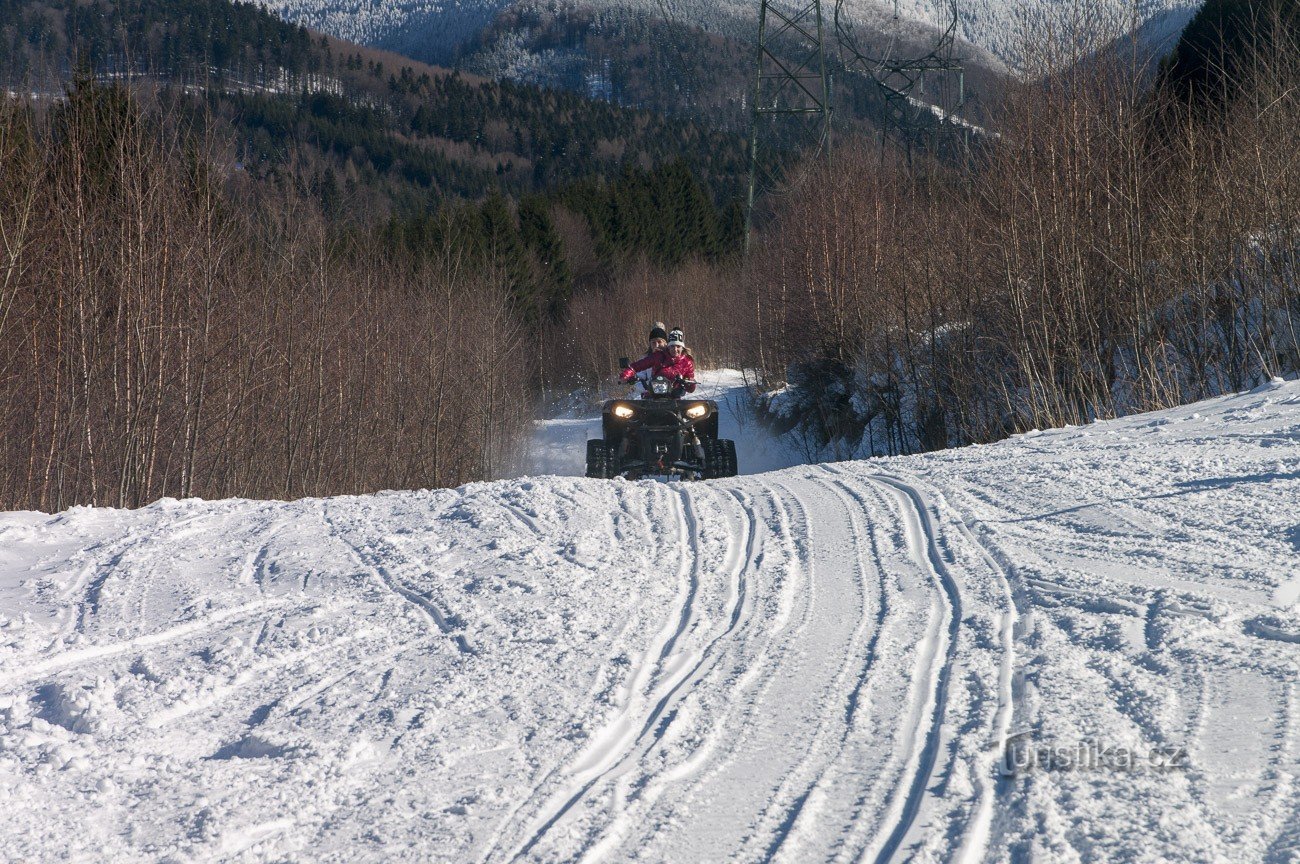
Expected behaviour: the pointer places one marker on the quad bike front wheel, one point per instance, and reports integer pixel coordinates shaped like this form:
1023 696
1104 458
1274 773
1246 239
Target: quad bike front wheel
600 459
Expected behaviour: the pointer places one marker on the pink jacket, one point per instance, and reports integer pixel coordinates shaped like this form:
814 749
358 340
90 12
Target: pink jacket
662 364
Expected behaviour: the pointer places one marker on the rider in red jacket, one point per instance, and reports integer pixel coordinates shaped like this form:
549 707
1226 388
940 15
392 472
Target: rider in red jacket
672 363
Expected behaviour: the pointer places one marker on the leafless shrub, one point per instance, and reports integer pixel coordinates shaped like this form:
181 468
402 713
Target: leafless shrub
607 322
160 338
1112 252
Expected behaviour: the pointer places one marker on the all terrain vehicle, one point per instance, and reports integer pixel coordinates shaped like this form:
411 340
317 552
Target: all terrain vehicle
662 435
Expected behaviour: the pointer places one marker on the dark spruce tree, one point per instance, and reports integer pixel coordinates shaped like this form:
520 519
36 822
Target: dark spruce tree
1215 53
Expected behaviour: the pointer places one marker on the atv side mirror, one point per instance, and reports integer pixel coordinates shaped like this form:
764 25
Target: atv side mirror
623 363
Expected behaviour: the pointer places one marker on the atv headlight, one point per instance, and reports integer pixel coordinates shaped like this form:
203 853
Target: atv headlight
696 411
623 412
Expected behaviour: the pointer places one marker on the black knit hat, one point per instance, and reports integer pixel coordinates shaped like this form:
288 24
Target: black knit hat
658 331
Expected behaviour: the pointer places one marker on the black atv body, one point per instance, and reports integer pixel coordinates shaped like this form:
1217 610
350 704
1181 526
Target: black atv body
664 436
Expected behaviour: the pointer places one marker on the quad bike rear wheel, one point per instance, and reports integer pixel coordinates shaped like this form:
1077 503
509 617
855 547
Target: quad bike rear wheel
720 458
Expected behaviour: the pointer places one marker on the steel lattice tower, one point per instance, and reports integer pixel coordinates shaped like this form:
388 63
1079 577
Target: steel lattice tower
910 118
792 82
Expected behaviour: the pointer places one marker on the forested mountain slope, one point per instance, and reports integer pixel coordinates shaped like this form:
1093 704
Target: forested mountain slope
675 57
437 29
1225 42
303 216
397 137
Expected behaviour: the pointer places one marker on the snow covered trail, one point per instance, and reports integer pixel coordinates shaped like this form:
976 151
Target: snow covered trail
805 721
873 661
529 670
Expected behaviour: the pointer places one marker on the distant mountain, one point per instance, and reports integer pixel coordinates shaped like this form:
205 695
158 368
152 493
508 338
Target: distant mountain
1002 26
635 56
623 55
696 58
429 30
385 133
437 30
681 57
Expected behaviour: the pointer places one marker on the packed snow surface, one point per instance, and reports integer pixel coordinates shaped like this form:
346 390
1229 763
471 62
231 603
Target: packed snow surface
1079 645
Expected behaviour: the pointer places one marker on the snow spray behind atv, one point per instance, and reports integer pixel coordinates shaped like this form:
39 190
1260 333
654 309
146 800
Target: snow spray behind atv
661 435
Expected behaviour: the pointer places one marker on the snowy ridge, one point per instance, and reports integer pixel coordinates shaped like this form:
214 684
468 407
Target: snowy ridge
1002 26
435 28
870 661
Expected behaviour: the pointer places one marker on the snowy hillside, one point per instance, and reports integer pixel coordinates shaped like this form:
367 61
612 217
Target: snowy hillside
1079 645
1000 26
425 29
432 29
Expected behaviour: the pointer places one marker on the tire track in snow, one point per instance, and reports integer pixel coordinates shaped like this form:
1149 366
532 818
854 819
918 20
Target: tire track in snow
645 519
688 533
740 605
922 541
786 627
81 656
834 718
975 836
785 716
258 674
89 605
856 507
747 672
979 826
1286 839
674 674
371 563
609 745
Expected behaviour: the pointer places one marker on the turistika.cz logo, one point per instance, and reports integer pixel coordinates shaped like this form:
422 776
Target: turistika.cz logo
1023 755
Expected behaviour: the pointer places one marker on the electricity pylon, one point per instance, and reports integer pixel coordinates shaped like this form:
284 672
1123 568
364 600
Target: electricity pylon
791 83
914 118
922 90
